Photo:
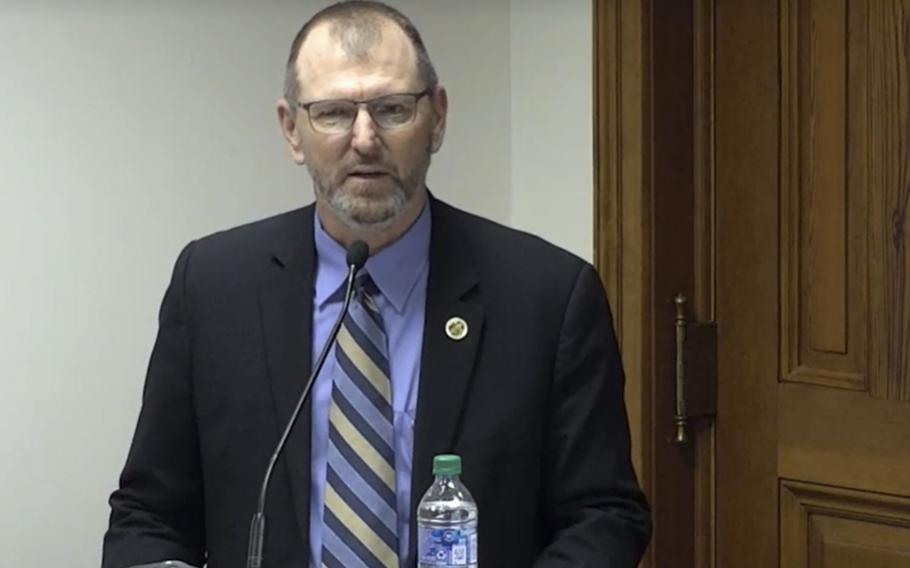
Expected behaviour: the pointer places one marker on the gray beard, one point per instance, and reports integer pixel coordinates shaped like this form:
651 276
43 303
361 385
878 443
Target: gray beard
378 213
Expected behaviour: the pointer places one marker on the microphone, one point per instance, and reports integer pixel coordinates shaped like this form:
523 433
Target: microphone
357 256
358 253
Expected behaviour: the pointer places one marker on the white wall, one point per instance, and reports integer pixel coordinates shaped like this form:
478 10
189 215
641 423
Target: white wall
127 129
552 122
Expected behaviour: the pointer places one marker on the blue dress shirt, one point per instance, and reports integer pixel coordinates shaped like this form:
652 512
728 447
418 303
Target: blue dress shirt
400 272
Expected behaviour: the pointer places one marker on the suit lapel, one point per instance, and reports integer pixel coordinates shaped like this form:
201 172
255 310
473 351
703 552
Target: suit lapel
286 300
446 363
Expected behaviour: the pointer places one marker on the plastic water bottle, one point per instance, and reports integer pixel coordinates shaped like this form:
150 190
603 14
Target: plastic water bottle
447 519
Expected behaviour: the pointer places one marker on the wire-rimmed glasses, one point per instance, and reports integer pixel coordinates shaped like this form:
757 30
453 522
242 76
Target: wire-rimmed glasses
337 116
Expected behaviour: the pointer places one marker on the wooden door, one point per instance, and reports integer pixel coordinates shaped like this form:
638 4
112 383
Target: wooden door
812 283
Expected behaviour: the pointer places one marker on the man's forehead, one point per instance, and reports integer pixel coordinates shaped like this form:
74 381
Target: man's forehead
324 64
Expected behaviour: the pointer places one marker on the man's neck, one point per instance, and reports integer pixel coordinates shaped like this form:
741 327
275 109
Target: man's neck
378 238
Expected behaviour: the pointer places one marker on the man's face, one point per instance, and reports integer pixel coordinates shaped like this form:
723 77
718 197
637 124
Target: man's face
368 176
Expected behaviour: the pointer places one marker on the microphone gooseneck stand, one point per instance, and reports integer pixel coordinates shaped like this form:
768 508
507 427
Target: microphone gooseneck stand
356 258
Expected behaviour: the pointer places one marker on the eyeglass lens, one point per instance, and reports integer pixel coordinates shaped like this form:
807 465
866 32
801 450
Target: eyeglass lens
338 116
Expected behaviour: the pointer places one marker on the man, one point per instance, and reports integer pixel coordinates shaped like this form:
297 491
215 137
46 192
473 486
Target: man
464 337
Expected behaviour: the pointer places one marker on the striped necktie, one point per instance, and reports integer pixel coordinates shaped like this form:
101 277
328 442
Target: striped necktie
360 516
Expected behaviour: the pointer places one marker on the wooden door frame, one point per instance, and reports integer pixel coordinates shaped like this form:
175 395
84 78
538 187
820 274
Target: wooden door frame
654 227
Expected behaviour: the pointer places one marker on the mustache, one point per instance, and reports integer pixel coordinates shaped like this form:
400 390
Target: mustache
373 165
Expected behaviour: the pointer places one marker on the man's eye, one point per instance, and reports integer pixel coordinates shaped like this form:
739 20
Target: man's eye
391 108
332 113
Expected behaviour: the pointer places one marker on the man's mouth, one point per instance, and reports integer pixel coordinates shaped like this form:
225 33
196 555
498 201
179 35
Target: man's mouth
367 174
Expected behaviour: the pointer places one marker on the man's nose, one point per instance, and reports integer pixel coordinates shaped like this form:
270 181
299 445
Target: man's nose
364 135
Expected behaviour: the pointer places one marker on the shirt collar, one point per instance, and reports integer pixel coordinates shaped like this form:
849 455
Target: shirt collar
395 269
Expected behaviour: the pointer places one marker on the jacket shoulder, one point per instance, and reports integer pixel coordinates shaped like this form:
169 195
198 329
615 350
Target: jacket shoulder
242 253
258 236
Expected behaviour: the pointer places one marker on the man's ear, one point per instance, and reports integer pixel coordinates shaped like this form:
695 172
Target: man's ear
440 101
287 119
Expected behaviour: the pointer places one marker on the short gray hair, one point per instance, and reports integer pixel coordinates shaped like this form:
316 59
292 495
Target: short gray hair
357 23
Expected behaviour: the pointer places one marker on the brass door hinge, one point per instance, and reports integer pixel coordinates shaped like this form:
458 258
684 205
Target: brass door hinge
696 370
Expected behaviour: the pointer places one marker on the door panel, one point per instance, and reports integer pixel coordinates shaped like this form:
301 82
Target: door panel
828 527
823 228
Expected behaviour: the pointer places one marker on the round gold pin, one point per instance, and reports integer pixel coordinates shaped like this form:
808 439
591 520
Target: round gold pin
456 328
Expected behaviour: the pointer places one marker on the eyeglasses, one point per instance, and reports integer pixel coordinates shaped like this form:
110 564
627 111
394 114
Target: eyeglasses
336 116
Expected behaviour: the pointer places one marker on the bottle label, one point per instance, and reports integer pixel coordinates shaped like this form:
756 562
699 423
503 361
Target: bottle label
447 547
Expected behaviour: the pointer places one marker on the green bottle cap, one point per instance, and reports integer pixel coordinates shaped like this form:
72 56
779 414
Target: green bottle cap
447 464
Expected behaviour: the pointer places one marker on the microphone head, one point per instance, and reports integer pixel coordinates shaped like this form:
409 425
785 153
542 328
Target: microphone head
358 253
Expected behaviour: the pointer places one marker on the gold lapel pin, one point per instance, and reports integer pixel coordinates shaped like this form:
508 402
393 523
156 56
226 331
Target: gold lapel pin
456 328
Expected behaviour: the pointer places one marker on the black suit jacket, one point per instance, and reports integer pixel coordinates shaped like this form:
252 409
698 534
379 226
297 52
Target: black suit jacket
532 399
